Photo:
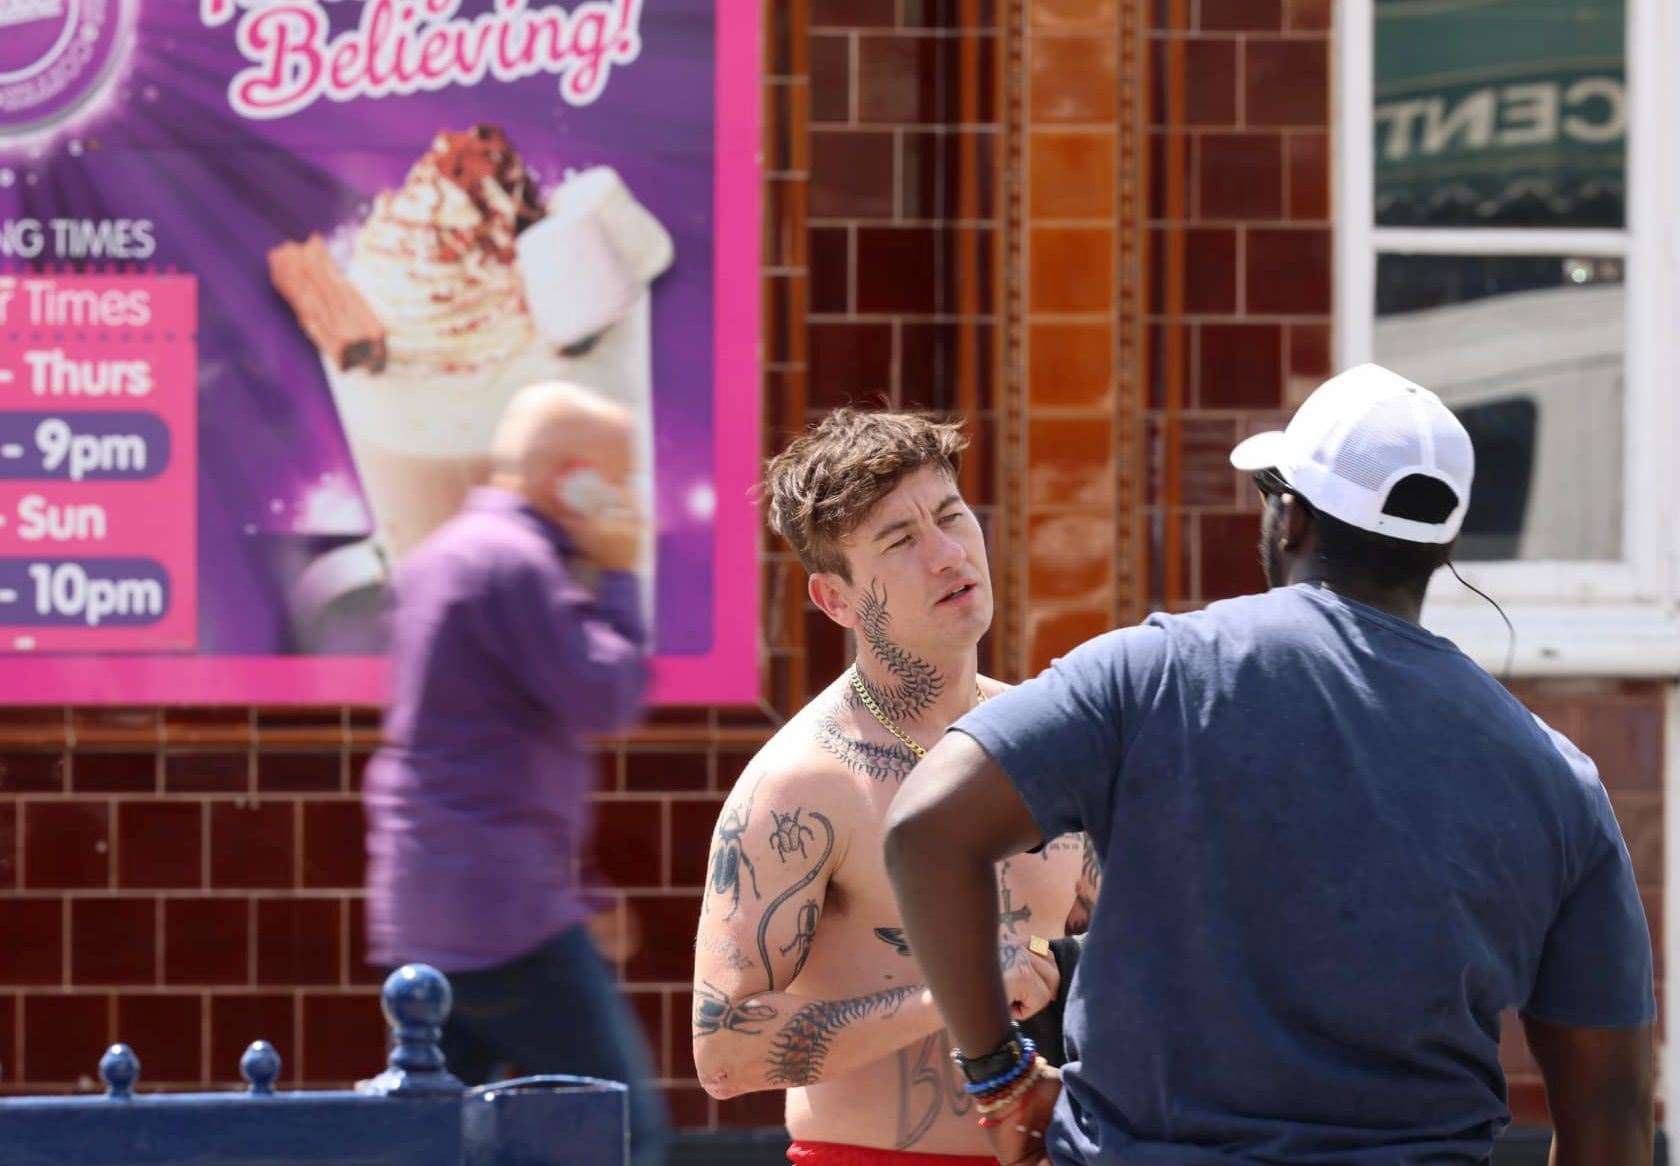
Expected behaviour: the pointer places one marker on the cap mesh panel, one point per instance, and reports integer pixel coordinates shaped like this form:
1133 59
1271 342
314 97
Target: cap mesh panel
1453 454
1385 439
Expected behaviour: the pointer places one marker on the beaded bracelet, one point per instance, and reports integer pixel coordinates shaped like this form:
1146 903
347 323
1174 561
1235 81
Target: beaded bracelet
1000 1083
1028 1071
1003 1105
1007 1098
994 1123
1012 1105
1029 1050
1014 1088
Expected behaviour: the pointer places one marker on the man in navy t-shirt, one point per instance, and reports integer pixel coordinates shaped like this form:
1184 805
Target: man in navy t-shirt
1334 850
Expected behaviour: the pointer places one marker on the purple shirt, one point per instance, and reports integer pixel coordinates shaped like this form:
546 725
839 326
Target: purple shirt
502 665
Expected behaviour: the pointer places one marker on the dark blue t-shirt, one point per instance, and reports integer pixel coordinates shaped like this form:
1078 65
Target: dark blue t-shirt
1334 849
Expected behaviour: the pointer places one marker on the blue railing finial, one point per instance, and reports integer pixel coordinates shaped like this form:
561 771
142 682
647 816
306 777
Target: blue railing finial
416 996
119 1068
260 1066
416 999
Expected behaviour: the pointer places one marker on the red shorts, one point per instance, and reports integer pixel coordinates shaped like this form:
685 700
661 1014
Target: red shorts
834 1154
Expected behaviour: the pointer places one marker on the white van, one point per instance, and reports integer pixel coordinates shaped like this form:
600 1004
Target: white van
1537 377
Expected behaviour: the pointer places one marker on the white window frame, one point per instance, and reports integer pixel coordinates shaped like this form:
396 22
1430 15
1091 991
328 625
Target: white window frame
1617 618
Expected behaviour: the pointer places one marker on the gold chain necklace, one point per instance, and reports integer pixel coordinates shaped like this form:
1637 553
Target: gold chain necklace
862 690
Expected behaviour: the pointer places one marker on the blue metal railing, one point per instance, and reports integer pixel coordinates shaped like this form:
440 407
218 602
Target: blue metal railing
415 1113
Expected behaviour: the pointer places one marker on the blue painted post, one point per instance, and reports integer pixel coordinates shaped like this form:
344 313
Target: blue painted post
260 1066
537 1121
119 1068
416 999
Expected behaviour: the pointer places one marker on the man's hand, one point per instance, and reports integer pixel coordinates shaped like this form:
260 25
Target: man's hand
610 538
1031 984
1018 1137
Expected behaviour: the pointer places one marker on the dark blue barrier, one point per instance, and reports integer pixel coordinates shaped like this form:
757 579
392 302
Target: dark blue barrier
413 1114
520 1122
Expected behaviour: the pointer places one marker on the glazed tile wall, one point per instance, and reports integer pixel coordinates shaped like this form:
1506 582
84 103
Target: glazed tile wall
904 231
1075 324
1240 237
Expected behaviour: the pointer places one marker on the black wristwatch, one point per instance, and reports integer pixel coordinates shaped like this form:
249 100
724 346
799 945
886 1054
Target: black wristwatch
993 1064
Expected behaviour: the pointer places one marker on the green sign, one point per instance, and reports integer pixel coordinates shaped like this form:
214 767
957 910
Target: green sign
1500 112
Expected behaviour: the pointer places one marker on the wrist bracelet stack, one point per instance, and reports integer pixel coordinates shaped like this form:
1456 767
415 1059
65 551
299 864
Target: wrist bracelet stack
1007 1097
1000 1079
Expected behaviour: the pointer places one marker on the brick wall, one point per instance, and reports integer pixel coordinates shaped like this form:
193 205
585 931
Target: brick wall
1240 270
903 229
188 880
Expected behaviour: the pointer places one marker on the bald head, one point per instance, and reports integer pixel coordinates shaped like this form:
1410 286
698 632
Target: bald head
551 427
557 422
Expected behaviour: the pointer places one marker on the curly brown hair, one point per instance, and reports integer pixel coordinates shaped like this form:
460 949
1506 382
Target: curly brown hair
829 478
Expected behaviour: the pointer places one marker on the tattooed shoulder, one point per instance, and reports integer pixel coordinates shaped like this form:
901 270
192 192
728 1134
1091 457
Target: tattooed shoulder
729 855
1090 865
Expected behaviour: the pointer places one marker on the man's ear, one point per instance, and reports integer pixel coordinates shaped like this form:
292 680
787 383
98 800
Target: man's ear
1296 525
833 597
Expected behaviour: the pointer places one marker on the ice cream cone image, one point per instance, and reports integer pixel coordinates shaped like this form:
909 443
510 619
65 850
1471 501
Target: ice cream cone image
460 288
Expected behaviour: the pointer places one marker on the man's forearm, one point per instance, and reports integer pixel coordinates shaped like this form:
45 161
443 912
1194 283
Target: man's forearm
1619 1130
1624 1143
776 1040
1601 1089
949 909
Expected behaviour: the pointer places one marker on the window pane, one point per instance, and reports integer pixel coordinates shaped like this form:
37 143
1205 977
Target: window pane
1500 113
1527 350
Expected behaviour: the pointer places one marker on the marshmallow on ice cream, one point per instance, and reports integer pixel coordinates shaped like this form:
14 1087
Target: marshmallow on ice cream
590 259
435 258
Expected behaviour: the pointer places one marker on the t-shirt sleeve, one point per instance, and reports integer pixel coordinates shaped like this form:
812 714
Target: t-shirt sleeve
1595 968
1061 737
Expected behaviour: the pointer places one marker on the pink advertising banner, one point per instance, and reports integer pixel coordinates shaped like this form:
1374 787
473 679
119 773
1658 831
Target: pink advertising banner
270 268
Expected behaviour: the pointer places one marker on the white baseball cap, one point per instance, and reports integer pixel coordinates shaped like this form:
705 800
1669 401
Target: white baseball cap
1359 433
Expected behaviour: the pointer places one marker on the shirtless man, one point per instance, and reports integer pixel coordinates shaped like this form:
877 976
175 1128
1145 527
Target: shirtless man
802 978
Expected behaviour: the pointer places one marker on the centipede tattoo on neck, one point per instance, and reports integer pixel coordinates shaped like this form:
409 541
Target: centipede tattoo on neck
916 684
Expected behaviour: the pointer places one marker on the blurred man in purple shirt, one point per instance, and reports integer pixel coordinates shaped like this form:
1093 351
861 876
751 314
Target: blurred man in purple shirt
517 633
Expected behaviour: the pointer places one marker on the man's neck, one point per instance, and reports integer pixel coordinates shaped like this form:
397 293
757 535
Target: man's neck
1397 601
916 692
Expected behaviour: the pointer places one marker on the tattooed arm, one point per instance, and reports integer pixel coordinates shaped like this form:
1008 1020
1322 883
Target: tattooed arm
778 1040
778 842
1085 891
